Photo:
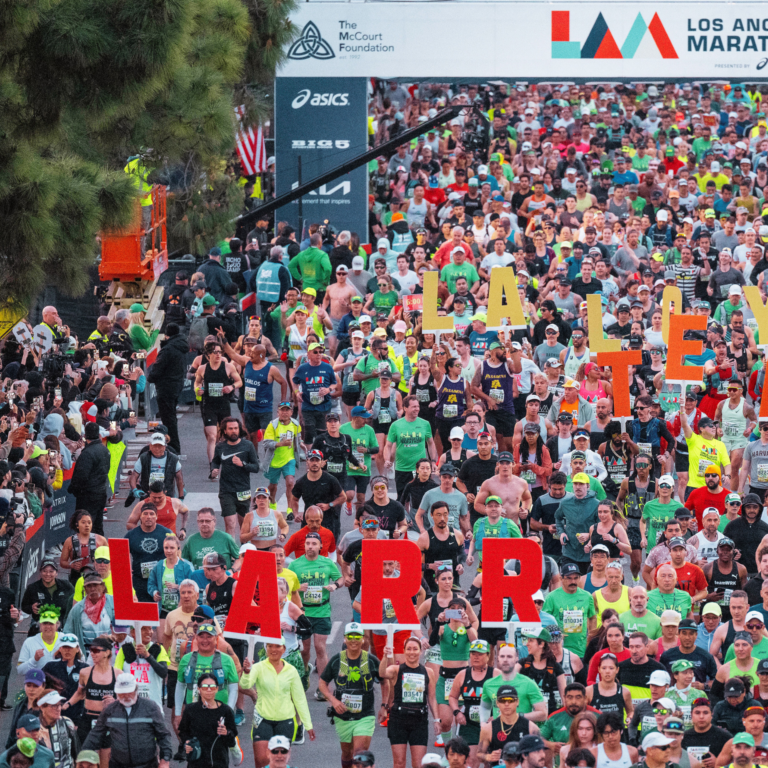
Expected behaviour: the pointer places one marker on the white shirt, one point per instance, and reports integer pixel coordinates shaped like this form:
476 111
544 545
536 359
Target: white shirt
595 466
707 550
407 281
530 369
493 259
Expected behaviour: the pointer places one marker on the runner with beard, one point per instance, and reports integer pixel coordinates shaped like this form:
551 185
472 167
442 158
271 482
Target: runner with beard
493 384
475 471
442 546
598 425
616 453
634 493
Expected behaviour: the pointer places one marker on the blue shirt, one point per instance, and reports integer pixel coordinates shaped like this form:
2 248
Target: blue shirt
481 341
574 267
312 379
704 638
701 359
628 177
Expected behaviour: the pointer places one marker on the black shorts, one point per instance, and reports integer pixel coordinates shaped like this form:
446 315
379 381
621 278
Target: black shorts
503 421
173 676
444 427
230 505
759 491
407 727
681 461
357 483
350 398
266 729
256 421
380 429
492 635
635 537
212 415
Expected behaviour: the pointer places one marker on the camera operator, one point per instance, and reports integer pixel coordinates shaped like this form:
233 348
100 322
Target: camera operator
120 340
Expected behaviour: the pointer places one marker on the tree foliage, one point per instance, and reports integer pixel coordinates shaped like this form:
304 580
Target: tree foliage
84 84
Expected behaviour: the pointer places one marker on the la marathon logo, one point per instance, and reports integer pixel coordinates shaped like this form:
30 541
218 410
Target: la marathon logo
310 45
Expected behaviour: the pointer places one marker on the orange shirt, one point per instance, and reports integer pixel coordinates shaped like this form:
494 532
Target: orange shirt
295 545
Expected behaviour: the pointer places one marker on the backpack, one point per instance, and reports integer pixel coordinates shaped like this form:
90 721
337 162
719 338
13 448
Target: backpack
198 330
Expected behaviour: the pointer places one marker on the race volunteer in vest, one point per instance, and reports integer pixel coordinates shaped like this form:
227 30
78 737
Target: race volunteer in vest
168 512
354 672
272 281
158 463
234 461
205 659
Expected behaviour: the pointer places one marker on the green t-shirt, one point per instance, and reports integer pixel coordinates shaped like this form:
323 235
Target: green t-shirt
205 664
527 690
170 594
656 515
364 437
594 486
276 316
411 440
649 624
197 548
759 651
723 522
452 271
572 613
383 302
368 364
556 727
504 529
678 601
317 574
640 163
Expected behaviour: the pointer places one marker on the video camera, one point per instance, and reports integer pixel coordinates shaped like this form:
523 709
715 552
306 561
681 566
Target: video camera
327 232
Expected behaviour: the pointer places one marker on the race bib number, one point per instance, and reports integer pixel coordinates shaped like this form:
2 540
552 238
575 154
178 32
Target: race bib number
529 477
316 398
243 495
448 686
351 380
423 395
645 448
383 366
267 530
497 395
731 430
146 568
384 417
288 434
696 752
250 394
441 563
215 389
221 618
358 457
703 464
450 411
335 467
474 713
170 596
155 477
313 596
434 655
726 597
353 702
573 622
257 719
389 610
762 473
413 687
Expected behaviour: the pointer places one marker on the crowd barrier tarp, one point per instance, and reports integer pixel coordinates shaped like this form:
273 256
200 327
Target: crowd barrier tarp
559 41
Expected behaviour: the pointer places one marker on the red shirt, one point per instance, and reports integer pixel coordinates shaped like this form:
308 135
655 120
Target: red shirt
702 498
690 578
295 545
435 196
593 664
166 515
443 256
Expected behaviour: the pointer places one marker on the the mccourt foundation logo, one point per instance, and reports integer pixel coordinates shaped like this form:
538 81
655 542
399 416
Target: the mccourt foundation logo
310 45
644 41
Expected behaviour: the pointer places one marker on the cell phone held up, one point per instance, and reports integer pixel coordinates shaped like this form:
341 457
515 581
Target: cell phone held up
453 614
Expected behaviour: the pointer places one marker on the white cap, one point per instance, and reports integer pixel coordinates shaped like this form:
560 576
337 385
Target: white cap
643 288
667 480
529 111
432 112
552 327
157 439
570 170
125 683
364 319
741 145
482 169
358 263
54 697
659 676
715 167
710 511
457 433
662 215
270 160
537 595
400 326
668 618
754 615
358 335
278 742
665 701
457 249
382 243
245 547
526 146
432 758
734 290
656 740
354 628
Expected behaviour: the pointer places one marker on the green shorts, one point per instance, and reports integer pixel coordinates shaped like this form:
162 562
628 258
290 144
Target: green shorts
347 729
321 625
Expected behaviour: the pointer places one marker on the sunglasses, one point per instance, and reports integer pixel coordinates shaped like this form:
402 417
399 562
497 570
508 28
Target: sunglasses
208 686
664 748
661 711
754 626
711 474
353 637
763 427
642 466
508 700
279 751
102 560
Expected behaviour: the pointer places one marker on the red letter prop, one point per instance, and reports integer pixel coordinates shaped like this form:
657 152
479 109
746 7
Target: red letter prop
127 609
375 588
619 363
677 373
258 568
497 585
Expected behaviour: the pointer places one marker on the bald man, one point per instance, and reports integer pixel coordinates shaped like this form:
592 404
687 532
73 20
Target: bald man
603 417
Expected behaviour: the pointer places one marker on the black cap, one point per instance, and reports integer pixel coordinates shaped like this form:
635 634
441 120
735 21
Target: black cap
530 743
511 750
569 568
681 513
448 469
565 281
687 624
705 421
635 340
506 692
762 667
734 687
506 456
313 535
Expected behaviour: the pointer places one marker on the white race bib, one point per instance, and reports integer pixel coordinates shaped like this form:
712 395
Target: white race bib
313 596
645 448
450 411
353 702
316 398
474 713
422 395
413 687
243 495
448 686
573 622
250 394
762 473
497 395
156 476
215 389
334 467
146 568
384 417
433 655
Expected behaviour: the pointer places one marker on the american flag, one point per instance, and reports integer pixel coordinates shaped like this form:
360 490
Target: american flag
250 146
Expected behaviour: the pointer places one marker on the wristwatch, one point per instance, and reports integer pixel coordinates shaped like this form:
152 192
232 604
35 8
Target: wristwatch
456 712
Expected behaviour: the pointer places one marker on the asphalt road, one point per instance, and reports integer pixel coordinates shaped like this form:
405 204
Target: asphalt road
203 492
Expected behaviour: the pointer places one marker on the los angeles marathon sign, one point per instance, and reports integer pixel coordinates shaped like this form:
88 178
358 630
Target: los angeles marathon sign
644 41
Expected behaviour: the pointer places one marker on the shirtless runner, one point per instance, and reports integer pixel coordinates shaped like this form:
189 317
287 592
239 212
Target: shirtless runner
512 490
338 296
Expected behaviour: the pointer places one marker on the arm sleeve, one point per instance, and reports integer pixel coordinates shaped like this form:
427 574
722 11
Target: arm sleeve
180 695
252 465
232 695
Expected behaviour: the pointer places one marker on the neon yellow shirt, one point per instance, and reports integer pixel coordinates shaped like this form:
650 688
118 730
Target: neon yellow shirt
702 453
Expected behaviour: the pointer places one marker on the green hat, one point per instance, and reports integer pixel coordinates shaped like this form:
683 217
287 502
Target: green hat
542 634
137 307
479 646
681 665
49 613
494 498
496 345
87 756
709 213
669 152
209 301
496 157
732 497
356 298
28 747
479 316
744 738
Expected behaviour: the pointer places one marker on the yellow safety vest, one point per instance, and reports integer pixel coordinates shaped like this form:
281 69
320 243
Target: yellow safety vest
139 172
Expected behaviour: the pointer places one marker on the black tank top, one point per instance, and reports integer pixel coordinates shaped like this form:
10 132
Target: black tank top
214 382
435 609
724 582
384 408
617 466
597 538
729 636
98 691
614 703
501 735
472 693
425 394
220 599
441 551
413 700
545 679
456 462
